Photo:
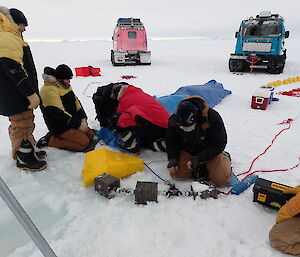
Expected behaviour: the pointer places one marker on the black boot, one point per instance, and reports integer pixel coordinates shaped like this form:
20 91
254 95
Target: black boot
158 145
43 141
41 154
26 158
128 142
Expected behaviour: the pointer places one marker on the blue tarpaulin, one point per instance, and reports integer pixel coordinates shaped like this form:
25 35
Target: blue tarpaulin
213 92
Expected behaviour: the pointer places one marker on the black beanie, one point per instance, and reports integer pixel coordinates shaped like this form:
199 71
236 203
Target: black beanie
18 16
50 71
63 71
186 114
116 89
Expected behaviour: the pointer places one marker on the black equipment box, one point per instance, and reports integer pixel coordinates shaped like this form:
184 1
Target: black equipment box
106 185
145 191
270 193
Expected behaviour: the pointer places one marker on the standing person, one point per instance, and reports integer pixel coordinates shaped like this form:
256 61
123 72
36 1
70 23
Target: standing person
139 116
63 112
18 89
195 139
285 234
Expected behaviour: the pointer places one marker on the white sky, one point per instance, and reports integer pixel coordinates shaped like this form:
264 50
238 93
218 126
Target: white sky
56 19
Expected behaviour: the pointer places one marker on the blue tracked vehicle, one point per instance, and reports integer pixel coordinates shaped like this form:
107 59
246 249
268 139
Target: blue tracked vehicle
260 44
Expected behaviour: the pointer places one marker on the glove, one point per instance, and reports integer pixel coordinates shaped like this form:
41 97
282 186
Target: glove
289 210
34 101
84 121
84 125
292 190
172 163
114 119
196 163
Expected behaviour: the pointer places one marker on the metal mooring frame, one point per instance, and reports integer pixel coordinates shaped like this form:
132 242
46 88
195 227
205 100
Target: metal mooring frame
25 221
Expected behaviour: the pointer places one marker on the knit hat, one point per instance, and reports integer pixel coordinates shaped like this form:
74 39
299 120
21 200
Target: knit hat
63 71
187 114
116 90
18 16
50 71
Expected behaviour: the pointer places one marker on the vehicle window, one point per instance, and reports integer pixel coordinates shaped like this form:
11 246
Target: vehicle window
132 34
271 30
250 30
257 30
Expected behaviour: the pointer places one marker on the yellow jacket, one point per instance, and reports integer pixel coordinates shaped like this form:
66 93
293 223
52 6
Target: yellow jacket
60 106
11 40
292 207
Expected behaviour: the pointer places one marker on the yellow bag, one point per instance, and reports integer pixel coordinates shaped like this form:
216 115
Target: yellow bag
115 164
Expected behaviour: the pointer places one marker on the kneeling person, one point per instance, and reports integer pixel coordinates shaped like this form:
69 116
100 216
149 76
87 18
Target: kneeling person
63 112
195 139
139 114
285 234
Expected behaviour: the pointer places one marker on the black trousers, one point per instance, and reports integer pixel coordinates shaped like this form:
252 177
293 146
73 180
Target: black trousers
147 131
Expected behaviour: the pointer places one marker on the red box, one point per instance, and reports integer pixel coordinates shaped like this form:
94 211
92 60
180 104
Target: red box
259 102
262 97
83 71
95 71
87 71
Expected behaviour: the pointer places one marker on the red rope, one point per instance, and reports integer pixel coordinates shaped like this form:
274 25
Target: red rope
253 59
288 121
287 169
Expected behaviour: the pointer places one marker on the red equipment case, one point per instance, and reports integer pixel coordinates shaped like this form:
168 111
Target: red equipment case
87 71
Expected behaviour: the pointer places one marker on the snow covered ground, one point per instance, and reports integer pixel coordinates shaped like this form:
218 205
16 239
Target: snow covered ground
76 221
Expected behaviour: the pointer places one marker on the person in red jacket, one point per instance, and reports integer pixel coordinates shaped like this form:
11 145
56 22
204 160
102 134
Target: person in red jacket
139 116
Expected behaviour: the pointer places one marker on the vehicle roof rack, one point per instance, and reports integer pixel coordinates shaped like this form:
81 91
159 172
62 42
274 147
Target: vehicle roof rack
129 22
267 15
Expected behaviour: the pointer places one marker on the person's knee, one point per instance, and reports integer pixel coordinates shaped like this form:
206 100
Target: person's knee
285 237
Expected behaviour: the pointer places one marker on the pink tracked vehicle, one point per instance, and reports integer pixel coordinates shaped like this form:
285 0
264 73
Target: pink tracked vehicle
130 43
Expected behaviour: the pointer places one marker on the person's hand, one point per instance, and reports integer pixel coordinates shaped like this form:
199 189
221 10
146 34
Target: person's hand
84 125
34 101
114 119
84 121
173 170
292 207
292 190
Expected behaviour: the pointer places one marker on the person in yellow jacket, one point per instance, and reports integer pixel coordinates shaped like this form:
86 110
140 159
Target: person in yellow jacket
285 234
18 89
63 112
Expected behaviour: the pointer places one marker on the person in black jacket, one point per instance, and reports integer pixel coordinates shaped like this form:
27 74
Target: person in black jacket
18 89
195 139
105 105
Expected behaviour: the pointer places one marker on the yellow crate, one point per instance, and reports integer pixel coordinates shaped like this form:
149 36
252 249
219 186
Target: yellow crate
115 164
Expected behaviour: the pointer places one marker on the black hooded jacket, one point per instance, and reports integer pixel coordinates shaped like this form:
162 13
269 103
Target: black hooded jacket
205 142
105 105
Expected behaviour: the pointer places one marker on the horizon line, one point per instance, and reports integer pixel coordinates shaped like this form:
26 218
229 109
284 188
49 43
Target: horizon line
53 40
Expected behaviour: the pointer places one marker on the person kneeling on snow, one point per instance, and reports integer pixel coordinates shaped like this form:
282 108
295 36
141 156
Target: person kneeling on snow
195 139
105 106
139 116
63 112
285 234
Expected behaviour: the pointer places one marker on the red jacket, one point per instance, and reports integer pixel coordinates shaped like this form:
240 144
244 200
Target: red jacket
135 102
